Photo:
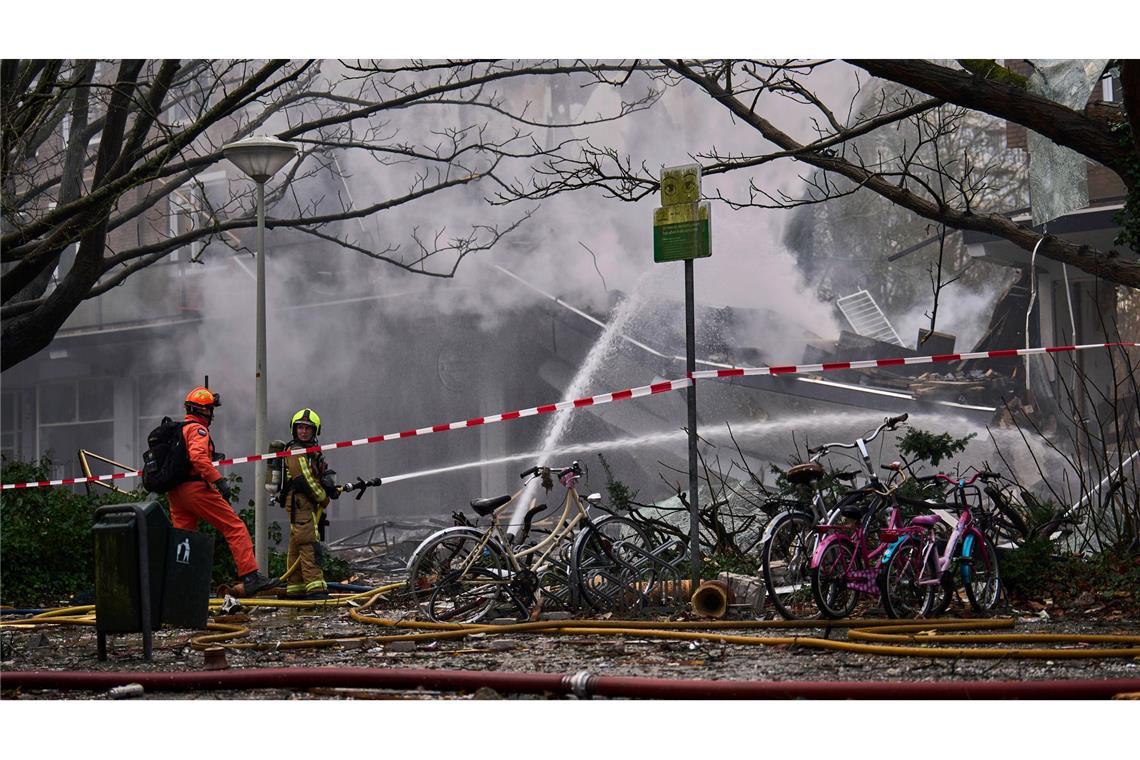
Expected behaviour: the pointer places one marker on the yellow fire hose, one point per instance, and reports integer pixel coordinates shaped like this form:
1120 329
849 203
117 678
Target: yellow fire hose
925 638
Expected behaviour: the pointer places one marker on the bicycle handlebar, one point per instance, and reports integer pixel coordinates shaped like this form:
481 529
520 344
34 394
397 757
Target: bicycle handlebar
574 467
890 423
984 475
893 422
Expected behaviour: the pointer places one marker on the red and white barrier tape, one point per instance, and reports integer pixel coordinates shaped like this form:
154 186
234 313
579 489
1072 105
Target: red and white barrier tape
605 398
801 369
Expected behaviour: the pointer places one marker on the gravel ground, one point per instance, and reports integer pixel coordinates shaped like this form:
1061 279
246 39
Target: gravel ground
73 648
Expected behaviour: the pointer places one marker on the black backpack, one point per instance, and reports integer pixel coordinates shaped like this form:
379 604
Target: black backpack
165 462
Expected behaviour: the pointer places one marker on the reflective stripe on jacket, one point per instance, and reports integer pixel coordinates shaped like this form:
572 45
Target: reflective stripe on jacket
304 472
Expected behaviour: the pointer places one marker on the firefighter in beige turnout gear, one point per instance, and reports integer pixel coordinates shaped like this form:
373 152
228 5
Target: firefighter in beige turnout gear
307 487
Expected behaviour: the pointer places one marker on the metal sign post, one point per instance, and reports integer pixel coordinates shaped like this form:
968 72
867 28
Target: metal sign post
691 398
681 232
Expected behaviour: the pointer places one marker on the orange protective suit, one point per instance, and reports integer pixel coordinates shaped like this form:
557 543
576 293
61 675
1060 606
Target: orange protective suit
197 499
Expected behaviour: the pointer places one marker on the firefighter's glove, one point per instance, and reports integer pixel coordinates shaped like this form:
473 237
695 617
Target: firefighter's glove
329 486
223 486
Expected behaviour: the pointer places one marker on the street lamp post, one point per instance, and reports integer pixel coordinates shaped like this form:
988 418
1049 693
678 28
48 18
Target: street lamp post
260 158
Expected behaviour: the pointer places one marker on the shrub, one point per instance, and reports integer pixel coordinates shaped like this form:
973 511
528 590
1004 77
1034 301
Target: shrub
1034 571
620 495
46 551
1024 570
923 445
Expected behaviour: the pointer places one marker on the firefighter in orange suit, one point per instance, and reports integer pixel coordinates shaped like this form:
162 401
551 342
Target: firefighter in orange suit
205 495
307 487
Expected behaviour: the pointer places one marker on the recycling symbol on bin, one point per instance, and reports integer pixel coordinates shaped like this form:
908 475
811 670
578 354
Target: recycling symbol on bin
182 553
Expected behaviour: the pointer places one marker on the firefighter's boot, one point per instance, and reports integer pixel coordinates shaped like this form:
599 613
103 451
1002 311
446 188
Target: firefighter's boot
255 582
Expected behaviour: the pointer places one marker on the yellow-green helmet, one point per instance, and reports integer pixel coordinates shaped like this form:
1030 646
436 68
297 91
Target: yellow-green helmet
307 416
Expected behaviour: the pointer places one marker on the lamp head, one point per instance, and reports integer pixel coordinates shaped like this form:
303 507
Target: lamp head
259 157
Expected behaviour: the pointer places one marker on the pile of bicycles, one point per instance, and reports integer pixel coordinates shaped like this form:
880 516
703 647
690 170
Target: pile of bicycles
822 559
819 556
590 557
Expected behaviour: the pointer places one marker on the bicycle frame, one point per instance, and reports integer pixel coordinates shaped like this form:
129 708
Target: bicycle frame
563 528
864 580
521 565
930 567
831 532
819 512
963 531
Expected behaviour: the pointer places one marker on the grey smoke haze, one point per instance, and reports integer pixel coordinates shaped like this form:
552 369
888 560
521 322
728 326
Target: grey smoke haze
750 267
963 313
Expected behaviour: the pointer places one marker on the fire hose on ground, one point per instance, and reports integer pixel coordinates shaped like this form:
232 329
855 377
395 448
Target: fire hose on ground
926 639
582 685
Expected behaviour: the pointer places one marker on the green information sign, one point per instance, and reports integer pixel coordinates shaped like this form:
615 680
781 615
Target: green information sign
681 232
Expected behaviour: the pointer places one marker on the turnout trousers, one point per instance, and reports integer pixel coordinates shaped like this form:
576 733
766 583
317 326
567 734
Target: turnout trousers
307 577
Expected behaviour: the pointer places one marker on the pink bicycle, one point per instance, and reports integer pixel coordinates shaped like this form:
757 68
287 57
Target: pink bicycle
844 563
918 563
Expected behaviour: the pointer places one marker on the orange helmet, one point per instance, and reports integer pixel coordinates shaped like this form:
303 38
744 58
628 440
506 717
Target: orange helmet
202 401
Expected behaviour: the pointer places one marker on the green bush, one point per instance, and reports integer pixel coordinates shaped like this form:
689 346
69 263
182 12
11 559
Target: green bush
1034 571
1024 570
925 446
620 495
46 550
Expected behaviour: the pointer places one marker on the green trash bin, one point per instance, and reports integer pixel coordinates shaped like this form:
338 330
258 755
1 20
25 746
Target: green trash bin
130 569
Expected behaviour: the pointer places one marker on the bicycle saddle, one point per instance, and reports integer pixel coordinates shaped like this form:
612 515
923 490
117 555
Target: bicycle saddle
805 474
855 510
925 521
484 507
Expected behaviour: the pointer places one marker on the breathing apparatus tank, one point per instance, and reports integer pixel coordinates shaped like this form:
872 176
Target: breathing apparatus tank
273 471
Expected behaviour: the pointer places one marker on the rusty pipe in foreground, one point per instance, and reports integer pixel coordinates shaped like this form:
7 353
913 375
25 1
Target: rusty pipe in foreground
581 684
711 599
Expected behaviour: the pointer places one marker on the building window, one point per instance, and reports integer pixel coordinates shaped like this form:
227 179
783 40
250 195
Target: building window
73 415
196 205
160 395
1110 86
10 427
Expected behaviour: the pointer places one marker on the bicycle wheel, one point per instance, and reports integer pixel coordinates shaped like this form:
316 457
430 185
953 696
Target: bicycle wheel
899 587
945 592
786 560
450 585
980 572
613 565
829 579
556 581
943 595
